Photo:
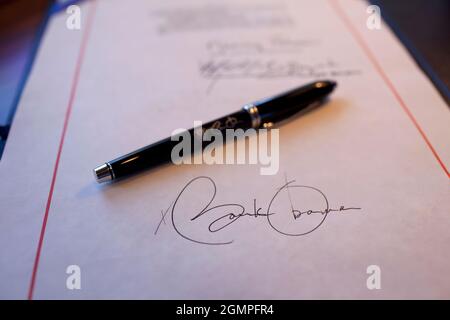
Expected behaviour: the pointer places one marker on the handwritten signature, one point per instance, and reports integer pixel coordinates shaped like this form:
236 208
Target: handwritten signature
266 68
219 217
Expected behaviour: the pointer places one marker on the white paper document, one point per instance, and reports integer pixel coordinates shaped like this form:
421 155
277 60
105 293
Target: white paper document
359 205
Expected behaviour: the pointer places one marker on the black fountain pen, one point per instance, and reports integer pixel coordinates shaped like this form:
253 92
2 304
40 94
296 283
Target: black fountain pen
260 114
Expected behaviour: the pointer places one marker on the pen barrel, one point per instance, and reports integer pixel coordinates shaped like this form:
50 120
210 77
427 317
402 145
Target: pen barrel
261 114
285 105
160 152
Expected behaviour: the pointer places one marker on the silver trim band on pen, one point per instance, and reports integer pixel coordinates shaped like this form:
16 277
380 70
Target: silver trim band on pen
254 115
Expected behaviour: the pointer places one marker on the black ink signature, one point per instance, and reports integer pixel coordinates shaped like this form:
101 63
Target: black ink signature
263 68
219 217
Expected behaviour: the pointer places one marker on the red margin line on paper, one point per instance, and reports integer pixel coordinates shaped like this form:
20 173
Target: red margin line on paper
73 91
360 40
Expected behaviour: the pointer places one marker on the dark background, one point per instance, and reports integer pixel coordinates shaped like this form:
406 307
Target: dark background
422 25
424 28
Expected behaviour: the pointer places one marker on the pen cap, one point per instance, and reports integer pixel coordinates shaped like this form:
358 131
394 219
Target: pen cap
284 105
